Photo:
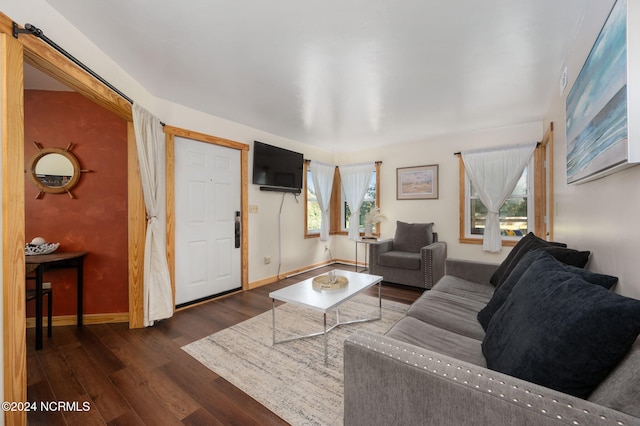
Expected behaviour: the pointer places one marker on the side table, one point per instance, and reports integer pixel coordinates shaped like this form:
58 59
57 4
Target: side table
365 242
41 263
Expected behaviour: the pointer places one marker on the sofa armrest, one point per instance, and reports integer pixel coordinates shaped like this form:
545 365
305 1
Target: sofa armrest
434 257
390 382
478 272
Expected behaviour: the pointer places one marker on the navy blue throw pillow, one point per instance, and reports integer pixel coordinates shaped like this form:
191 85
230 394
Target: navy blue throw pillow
562 333
527 243
565 257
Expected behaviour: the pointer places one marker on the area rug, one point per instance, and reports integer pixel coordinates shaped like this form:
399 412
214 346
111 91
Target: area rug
291 378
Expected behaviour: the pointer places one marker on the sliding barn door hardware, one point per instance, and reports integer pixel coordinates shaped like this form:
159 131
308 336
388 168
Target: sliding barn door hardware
37 32
27 29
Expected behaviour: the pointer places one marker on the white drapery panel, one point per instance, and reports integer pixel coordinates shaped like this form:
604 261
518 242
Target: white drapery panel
355 181
158 300
494 173
322 175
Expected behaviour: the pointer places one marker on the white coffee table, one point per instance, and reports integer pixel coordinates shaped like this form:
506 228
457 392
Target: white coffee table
303 294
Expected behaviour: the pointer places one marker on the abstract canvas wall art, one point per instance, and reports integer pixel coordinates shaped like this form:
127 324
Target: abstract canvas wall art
597 106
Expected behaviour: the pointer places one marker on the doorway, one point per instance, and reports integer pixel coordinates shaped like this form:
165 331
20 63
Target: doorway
207 221
13 54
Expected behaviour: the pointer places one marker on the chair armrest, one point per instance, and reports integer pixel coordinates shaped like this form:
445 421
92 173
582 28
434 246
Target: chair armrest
375 249
390 382
434 257
381 246
478 272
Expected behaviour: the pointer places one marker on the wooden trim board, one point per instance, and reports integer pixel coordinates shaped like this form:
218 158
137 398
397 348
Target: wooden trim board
63 320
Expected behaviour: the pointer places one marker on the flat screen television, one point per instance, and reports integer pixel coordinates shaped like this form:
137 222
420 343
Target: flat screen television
277 169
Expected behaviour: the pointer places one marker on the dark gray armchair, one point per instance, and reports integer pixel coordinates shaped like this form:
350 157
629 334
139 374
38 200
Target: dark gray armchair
413 257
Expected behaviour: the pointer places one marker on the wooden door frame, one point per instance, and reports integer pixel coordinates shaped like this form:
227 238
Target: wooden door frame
13 271
32 50
547 142
171 132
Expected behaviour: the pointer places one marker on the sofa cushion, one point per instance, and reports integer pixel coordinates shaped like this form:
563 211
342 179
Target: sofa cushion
621 389
563 333
413 331
544 260
412 237
568 256
400 259
526 243
467 289
449 312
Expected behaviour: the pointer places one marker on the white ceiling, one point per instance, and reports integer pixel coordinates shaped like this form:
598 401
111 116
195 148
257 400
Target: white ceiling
342 74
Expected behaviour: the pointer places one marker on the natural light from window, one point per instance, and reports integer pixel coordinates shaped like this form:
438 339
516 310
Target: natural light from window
514 213
313 208
368 204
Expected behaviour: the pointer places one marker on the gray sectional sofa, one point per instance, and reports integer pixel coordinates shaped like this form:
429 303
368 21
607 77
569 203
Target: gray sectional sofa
430 369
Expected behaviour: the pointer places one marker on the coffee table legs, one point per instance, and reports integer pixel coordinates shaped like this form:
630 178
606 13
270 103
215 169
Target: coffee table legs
326 329
326 340
379 300
273 312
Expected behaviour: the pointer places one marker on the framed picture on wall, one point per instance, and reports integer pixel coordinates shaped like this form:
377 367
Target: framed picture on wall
417 183
601 132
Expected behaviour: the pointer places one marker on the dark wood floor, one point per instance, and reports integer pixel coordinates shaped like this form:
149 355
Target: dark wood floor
138 377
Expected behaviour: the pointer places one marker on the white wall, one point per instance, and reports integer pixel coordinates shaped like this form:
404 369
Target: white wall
265 239
584 214
269 231
263 226
443 211
599 216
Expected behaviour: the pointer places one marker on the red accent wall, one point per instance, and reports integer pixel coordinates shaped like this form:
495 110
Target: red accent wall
94 221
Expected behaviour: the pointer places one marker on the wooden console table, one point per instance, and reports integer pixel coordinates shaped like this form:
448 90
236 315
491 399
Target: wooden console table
46 262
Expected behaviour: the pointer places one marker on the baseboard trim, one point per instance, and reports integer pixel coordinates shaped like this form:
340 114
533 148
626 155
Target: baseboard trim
61 320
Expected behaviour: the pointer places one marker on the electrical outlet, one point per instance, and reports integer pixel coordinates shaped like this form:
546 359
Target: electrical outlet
267 260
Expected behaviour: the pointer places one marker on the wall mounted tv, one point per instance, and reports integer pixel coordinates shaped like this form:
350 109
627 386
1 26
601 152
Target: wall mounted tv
277 169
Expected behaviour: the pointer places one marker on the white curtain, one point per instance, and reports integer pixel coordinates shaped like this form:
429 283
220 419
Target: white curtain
158 300
494 173
322 175
355 181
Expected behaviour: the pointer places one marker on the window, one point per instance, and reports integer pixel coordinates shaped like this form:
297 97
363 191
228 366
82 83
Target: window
340 214
313 208
514 213
369 202
525 209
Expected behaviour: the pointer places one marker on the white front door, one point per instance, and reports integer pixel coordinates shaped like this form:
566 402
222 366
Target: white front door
207 200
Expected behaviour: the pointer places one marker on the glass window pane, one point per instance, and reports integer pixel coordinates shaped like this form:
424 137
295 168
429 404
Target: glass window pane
513 213
513 217
520 190
346 216
371 191
313 208
313 217
521 187
311 190
368 203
